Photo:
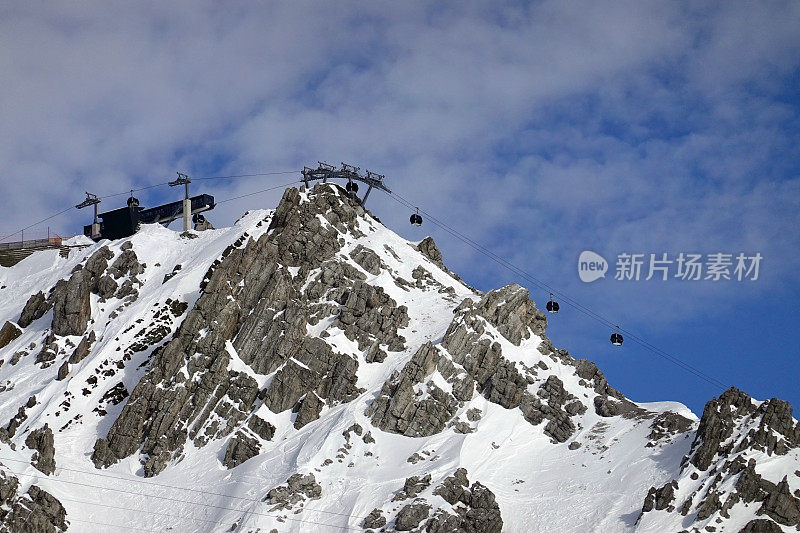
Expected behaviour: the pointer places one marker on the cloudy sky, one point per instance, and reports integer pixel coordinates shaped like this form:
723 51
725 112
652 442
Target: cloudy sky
538 129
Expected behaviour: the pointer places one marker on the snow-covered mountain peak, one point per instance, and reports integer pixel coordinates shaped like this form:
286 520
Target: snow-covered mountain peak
309 369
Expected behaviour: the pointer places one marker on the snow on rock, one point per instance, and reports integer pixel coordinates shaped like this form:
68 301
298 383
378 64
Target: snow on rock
738 475
33 510
308 369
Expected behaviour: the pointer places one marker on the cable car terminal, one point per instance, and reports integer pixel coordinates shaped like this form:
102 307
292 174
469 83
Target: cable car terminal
126 221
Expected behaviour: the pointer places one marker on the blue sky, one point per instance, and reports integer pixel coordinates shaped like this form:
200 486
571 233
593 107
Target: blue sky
541 129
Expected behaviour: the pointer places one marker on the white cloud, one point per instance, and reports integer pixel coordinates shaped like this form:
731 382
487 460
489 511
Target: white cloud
540 128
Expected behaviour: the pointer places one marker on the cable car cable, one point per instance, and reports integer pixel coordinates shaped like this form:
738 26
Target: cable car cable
37 223
585 310
464 238
176 500
150 512
258 192
247 175
145 482
129 191
698 373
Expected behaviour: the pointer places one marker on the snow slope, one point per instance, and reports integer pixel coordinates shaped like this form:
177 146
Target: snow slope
591 469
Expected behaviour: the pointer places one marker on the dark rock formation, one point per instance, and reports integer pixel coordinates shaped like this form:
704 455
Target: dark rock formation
315 370
127 264
309 409
397 409
159 328
369 314
605 406
413 486
781 506
106 287
298 487
48 352
35 308
36 511
719 419
509 309
731 428
474 414
71 306
63 371
83 348
8 333
559 407
16 421
240 449
8 488
775 418
475 507
429 249
261 427
81 352
668 424
374 520
366 259
709 505
660 499
251 299
592 375
761 525
172 274
44 458
411 515
454 488
473 361
70 298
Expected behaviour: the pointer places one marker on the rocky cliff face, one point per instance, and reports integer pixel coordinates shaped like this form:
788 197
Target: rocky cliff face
719 485
308 368
33 510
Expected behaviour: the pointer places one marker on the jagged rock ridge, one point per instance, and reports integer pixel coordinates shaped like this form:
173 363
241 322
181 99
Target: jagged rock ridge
718 485
312 361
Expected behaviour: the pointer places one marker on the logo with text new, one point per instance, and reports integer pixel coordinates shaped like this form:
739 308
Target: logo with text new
591 266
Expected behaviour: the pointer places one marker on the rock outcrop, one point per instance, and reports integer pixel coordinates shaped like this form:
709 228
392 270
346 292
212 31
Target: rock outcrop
298 360
472 508
429 249
35 511
8 333
733 431
471 359
35 308
240 448
781 506
374 520
411 515
398 410
475 506
42 441
253 304
297 489
71 304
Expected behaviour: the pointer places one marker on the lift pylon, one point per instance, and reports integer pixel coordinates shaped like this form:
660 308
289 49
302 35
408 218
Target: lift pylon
92 199
324 172
183 179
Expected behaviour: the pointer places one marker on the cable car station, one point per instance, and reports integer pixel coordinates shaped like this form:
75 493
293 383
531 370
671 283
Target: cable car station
125 221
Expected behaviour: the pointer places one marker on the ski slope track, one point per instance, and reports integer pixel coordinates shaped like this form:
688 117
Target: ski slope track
309 370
